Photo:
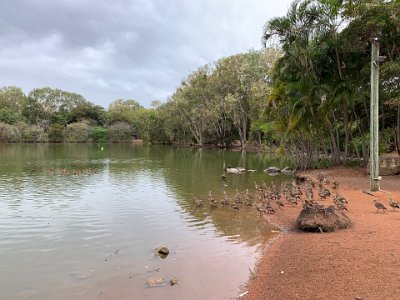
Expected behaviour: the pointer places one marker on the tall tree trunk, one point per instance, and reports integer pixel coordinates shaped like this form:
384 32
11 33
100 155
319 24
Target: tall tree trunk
346 129
398 130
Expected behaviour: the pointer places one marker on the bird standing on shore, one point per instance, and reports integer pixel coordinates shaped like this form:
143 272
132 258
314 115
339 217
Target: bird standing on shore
379 206
270 209
393 203
261 208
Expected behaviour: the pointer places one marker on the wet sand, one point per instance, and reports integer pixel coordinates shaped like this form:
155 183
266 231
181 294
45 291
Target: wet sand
362 262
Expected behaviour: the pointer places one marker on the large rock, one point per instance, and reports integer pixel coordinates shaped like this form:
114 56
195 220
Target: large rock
236 170
317 219
388 166
272 170
162 251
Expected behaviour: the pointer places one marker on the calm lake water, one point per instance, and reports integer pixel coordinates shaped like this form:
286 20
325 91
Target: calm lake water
91 236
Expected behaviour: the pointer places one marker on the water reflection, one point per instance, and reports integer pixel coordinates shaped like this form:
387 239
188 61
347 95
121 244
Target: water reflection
68 228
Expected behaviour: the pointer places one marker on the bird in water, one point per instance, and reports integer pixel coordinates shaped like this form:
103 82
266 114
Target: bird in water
225 200
235 207
238 197
211 199
393 203
197 202
379 206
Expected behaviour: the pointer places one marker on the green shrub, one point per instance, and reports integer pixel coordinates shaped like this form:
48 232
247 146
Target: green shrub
120 132
99 135
8 116
77 133
9 133
56 133
31 133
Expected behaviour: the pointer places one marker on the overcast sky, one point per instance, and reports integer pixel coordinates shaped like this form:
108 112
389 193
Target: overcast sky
130 49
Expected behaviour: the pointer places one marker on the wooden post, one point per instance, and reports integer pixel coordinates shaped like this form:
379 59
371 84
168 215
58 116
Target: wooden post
374 118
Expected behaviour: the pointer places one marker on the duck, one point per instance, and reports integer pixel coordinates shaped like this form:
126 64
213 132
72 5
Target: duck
379 206
270 209
261 208
225 200
280 203
393 203
341 206
235 207
238 197
197 202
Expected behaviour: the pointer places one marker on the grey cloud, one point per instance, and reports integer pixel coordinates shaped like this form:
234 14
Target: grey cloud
137 49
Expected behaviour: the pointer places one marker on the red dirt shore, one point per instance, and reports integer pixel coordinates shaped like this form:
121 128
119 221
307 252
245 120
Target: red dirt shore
362 262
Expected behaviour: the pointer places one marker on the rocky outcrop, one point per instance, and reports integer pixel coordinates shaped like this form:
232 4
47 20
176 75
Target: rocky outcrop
388 166
316 219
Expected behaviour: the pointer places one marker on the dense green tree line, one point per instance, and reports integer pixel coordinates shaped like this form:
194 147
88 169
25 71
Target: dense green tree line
216 105
306 93
321 84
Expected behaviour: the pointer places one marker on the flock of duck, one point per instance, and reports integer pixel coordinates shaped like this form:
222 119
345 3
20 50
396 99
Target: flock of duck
69 172
267 199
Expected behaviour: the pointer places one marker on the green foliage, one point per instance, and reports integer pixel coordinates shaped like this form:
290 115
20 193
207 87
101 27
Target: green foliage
56 133
77 133
322 163
54 100
120 132
9 133
87 111
31 133
123 111
8 115
99 135
12 100
386 137
321 83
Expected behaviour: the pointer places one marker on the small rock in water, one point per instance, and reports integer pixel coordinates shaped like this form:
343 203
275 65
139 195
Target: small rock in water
156 282
173 281
163 251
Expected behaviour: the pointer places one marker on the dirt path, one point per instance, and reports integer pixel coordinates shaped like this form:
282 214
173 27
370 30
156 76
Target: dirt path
362 262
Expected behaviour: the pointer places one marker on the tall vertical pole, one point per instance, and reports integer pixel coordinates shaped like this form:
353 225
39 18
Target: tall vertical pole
374 119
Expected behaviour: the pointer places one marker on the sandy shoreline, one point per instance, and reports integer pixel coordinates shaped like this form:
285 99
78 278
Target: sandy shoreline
362 262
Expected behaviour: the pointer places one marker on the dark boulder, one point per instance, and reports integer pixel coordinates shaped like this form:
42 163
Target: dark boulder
317 219
162 251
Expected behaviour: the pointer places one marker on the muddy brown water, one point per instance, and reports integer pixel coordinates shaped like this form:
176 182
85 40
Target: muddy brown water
81 222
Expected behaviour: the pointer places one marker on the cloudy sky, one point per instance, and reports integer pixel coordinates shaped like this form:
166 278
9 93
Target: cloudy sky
131 49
